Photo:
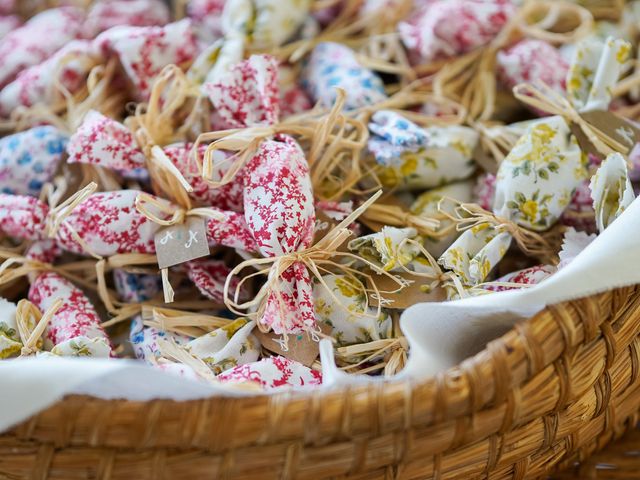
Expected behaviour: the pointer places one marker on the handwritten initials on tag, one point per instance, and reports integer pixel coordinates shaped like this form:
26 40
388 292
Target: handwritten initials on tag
193 237
181 243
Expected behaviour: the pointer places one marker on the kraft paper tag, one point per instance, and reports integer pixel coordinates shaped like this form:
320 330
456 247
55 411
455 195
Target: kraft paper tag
613 125
324 224
413 293
181 243
300 348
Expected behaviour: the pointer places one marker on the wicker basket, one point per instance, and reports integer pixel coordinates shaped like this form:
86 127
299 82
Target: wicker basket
553 390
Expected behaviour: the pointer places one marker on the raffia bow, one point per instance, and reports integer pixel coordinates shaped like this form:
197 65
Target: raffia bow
471 77
154 124
396 216
144 202
470 215
317 259
32 323
548 100
336 142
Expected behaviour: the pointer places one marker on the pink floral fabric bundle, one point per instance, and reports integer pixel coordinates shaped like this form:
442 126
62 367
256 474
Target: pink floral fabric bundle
533 61
273 372
447 28
107 223
102 141
105 14
144 51
74 329
68 67
278 197
36 40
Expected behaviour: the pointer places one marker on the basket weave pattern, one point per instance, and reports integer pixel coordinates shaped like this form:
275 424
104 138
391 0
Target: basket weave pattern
551 391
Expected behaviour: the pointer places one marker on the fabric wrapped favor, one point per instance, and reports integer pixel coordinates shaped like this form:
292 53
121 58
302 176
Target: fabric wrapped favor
611 190
10 342
388 248
534 185
36 40
102 141
273 372
226 347
264 23
278 198
138 288
215 60
29 159
206 16
39 84
413 158
446 28
536 181
209 277
105 14
106 223
532 60
144 51
594 71
332 65
74 328
342 306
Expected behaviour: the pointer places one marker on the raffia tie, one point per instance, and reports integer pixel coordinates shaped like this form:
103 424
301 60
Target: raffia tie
470 215
245 142
317 259
439 277
177 216
396 216
153 124
58 214
27 314
546 99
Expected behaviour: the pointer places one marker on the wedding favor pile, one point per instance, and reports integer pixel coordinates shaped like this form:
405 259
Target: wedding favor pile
211 187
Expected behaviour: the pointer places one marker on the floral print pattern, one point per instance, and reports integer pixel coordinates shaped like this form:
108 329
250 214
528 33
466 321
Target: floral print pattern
278 198
387 248
421 158
536 181
531 61
75 327
273 372
475 253
226 347
36 40
29 159
37 84
594 71
144 51
264 23
331 66
446 28
343 307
